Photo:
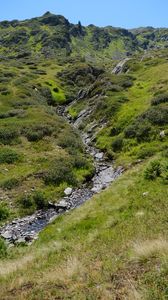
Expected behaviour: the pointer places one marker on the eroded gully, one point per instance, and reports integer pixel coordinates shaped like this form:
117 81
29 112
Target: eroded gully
26 229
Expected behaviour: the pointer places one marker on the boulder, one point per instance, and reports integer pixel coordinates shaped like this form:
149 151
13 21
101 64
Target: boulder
99 156
68 191
6 235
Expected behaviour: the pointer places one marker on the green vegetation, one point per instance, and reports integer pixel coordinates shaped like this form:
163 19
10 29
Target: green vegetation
3 249
117 242
4 212
8 156
32 202
115 246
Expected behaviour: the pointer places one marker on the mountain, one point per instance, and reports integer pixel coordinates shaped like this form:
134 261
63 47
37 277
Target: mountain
52 35
83 116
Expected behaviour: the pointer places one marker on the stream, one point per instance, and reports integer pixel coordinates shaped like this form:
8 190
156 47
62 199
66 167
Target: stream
26 229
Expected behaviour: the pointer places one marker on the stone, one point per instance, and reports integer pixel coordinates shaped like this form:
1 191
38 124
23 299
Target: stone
62 204
139 214
99 156
68 191
20 241
145 194
162 134
96 189
6 235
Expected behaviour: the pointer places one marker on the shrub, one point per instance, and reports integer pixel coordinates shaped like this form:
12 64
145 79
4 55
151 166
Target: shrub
12 113
3 248
140 130
9 184
46 93
130 131
39 200
154 170
8 156
127 84
117 144
33 135
70 141
26 201
79 162
33 201
4 212
160 99
143 132
146 152
8 135
156 116
37 132
60 171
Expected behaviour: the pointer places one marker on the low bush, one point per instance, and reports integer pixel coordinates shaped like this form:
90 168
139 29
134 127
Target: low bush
79 162
36 200
146 152
12 113
117 144
139 130
163 98
10 184
40 200
127 84
143 132
37 132
8 156
130 131
153 170
69 140
8 135
60 171
26 201
4 212
156 116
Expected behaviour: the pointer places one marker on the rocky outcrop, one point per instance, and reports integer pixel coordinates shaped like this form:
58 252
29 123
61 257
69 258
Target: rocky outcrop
120 66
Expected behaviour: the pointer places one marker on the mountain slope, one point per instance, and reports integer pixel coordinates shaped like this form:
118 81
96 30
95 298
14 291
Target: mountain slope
52 35
60 87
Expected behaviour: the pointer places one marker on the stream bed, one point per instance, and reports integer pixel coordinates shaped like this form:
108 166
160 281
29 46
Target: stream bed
26 229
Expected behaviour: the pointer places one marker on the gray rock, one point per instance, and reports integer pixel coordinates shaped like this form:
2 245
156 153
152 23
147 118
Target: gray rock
20 240
162 134
62 204
6 235
68 191
145 194
99 155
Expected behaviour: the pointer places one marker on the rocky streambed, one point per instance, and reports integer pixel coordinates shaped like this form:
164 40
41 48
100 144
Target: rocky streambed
26 229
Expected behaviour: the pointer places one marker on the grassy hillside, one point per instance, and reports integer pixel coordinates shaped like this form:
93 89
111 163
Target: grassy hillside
115 246
37 146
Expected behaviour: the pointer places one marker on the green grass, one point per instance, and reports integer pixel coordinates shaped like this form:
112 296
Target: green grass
112 246
115 245
32 143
